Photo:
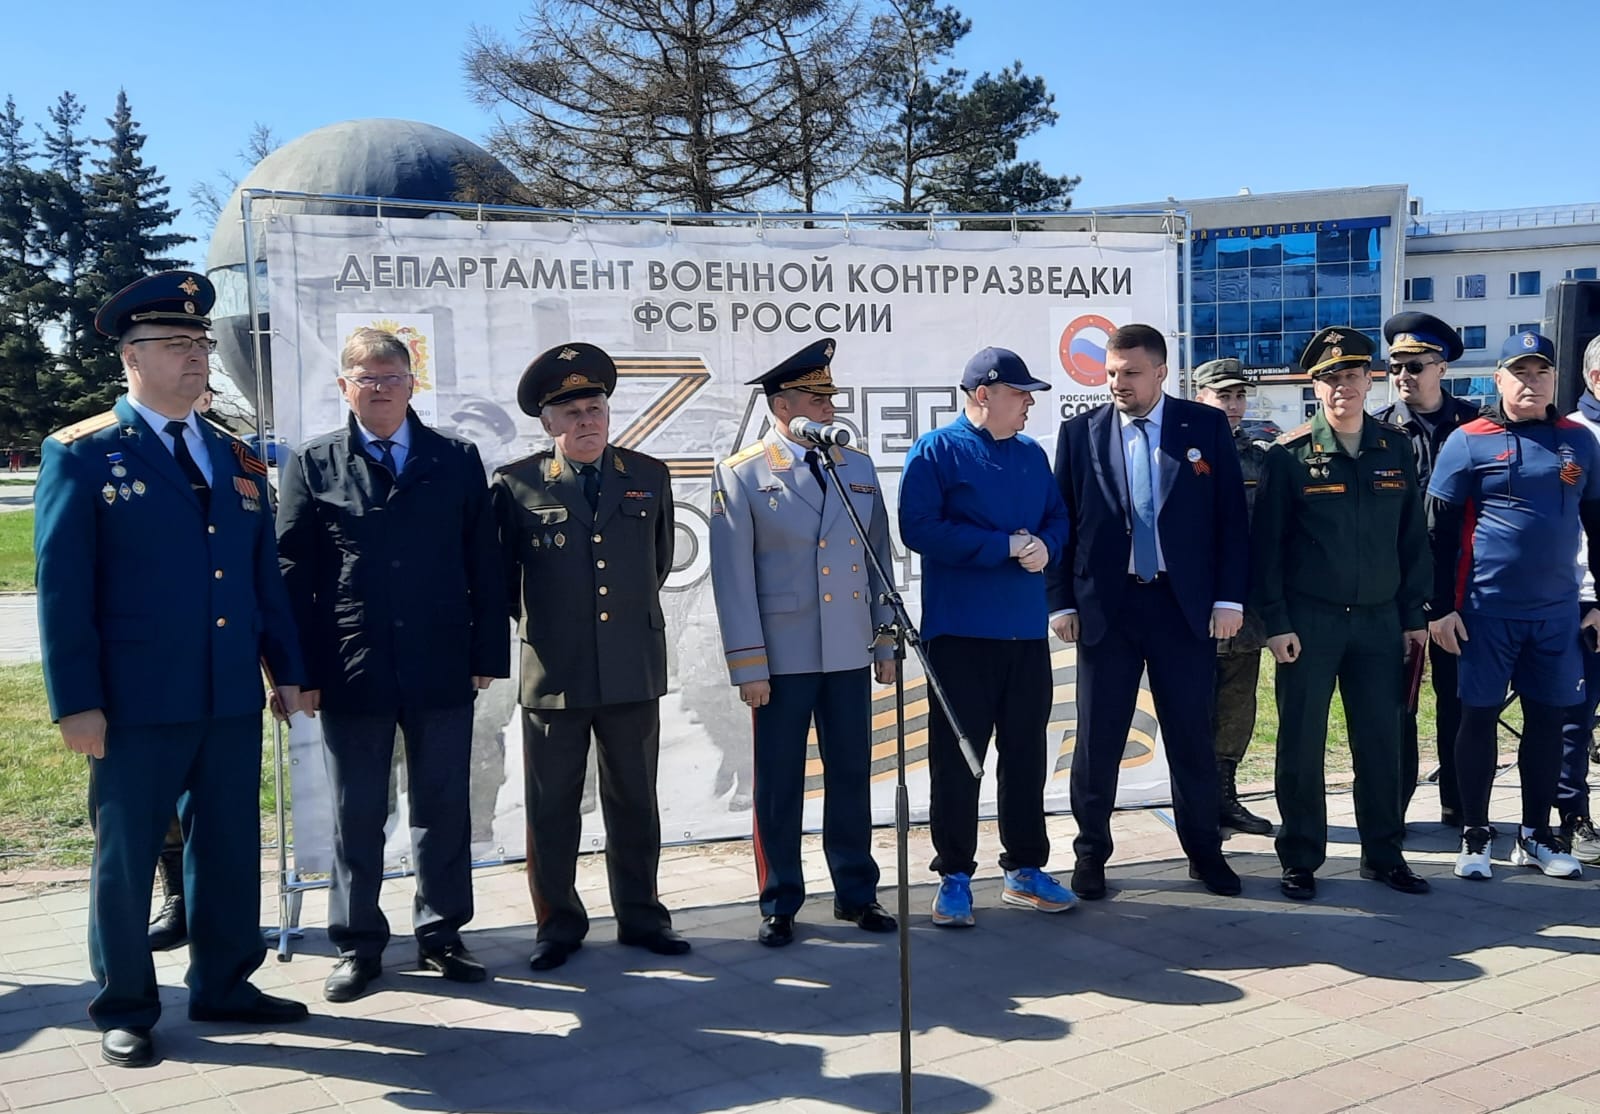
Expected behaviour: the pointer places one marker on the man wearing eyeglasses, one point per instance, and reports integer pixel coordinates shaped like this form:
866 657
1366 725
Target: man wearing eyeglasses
388 549
159 599
1420 350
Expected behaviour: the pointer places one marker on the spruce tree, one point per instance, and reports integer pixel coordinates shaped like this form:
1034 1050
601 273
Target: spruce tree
27 293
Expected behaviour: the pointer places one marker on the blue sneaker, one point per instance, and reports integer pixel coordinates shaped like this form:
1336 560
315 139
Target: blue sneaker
1032 888
952 906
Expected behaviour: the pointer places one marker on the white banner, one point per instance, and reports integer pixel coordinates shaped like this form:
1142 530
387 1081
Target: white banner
689 314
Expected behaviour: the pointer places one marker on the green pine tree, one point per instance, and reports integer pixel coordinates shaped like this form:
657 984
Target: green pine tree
127 214
27 295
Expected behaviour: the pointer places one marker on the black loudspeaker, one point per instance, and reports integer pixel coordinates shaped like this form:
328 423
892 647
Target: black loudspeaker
1571 320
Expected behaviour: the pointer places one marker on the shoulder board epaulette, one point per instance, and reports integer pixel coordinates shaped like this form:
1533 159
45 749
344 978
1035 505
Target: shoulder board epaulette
521 461
745 454
1298 433
82 429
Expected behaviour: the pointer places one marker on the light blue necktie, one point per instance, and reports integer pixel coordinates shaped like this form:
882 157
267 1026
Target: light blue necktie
1145 563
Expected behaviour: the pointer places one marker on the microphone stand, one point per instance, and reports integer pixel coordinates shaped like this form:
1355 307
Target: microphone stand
902 632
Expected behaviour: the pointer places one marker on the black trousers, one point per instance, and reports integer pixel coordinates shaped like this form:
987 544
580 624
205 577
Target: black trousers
359 750
1538 760
1150 632
1447 707
1000 690
840 703
555 755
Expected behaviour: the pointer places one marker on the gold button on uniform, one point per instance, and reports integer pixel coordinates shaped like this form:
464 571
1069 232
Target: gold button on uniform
211 529
855 595
822 543
217 574
221 622
599 564
855 568
827 597
597 539
605 617
852 541
604 590
824 570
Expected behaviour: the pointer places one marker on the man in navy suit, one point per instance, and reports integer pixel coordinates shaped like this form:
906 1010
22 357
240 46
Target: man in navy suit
159 595
1154 572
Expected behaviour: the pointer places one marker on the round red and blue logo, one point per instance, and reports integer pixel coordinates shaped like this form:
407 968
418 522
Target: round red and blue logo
1083 349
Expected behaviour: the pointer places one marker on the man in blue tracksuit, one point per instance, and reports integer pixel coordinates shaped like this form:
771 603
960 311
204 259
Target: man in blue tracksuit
1511 489
979 502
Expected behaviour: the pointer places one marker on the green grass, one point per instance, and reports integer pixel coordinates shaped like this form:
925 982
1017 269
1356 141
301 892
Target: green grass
44 787
16 551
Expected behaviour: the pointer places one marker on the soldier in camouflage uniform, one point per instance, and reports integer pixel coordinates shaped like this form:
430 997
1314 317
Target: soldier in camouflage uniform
1223 384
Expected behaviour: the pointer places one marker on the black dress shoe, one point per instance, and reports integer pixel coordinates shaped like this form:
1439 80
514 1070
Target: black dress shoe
776 930
267 1009
661 941
1400 877
1089 880
1299 884
1217 876
453 961
169 928
872 917
349 978
550 954
127 1048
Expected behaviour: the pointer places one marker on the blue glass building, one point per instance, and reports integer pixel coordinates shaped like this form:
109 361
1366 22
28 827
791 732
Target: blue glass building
1259 292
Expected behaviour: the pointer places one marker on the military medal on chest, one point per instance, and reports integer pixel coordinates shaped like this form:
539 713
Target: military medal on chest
1318 464
118 469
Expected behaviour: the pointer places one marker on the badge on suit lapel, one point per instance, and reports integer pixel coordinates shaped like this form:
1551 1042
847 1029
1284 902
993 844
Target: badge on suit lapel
1198 463
126 492
561 539
109 494
138 487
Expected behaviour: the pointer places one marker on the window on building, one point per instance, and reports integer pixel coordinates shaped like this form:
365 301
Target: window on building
1474 336
1419 290
1582 273
1524 284
1525 327
1472 286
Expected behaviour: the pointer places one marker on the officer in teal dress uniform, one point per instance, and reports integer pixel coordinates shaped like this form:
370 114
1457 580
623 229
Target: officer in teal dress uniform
159 602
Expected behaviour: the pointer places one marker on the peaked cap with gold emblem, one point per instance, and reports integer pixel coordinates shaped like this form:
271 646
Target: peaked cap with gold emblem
807 370
168 298
1422 332
565 372
1335 348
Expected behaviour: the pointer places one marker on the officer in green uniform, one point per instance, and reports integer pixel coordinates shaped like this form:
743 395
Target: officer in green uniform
1339 569
1223 384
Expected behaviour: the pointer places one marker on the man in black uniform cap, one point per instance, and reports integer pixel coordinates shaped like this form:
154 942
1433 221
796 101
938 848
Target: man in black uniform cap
587 530
1421 348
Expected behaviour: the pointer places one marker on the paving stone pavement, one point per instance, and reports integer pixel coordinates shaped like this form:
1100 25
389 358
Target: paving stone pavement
1479 996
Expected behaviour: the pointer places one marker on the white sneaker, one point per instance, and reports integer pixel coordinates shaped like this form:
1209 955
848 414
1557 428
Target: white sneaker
1543 851
1473 862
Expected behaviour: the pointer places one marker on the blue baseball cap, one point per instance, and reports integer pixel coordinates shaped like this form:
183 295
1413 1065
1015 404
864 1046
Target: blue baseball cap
1527 343
999 365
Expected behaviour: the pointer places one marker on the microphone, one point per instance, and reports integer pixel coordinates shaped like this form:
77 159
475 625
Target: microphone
815 433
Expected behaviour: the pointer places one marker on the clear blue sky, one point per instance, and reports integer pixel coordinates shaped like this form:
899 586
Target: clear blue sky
1475 103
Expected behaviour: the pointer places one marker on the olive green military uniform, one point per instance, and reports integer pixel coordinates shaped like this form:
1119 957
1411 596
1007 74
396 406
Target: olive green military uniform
1239 658
1340 558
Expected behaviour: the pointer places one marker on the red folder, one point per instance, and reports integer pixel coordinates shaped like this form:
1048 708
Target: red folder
1416 655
